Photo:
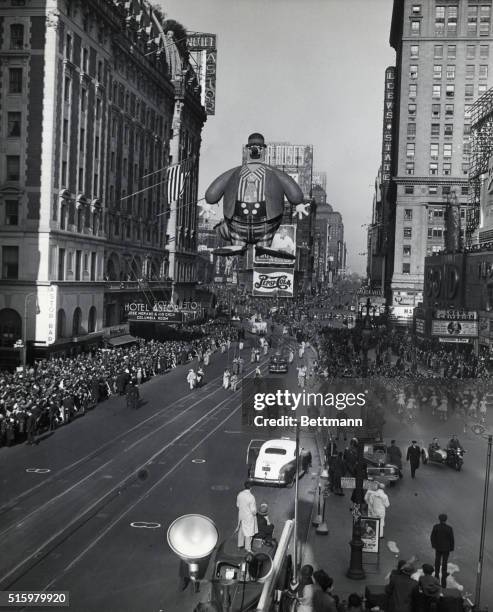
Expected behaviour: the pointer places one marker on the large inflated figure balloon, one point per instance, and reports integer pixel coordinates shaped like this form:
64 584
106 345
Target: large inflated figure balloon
253 202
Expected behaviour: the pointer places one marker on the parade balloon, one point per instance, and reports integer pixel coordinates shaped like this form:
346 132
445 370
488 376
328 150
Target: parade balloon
253 202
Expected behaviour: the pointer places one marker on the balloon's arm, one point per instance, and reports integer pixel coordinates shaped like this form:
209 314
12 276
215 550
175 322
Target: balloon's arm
215 191
291 188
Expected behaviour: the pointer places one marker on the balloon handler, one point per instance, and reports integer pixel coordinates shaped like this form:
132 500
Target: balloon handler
253 203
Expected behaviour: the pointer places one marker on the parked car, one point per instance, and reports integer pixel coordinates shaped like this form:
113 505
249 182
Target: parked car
273 462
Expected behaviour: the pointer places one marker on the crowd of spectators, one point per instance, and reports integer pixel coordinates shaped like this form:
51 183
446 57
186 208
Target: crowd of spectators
52 392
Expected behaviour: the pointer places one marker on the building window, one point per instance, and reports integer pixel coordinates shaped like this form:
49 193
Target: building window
484 20
484 51
15 80
85 59
411 110
446 169
98 108
414 51
408 214
435 111
437 92
11 212
467 129
432 190
409 189
406 250
470 70
407 232
469 90
437 71
448 130
66 95
411 130
434 150
452 19
470 52
433 168
481 89
68 46
63 178
450 91
449 110
415 27
413 71
96 147
483 71
451 51
13 167
82 140
447 150
17 36
435 130
83 100
472 20
439 20
416 9
13 124
61 264
410 149
81 179
413 90
409 167
450 71
406 268
10 262
466 148
467 111
445 190
465 169
438 52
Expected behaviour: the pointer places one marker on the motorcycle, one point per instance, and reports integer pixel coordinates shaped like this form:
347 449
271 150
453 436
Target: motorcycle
453 457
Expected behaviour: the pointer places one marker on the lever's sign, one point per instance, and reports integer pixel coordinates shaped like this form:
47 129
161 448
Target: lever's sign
273 282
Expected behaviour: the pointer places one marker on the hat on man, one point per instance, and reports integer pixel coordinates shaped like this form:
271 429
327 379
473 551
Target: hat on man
263 509
408 569
256 140
323 579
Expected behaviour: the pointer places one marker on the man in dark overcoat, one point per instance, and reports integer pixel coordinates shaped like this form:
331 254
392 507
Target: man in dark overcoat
414 457
442 541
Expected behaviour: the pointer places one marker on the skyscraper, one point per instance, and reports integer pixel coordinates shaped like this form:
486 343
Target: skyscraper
443 63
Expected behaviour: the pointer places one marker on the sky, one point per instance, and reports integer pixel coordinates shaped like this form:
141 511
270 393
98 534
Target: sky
304 72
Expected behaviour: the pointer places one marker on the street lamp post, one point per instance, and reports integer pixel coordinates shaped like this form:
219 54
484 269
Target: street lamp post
356 571
24 328
477 596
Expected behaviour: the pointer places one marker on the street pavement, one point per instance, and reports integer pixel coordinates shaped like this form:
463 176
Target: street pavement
95 523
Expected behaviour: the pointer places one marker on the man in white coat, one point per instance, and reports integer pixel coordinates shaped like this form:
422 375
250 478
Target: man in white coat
247 518
378 502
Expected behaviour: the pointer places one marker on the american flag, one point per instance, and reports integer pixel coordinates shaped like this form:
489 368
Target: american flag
176 176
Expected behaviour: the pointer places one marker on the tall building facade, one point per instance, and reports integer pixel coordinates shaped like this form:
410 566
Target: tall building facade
98 99
444 61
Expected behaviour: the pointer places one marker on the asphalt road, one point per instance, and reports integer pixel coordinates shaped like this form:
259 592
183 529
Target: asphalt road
95 523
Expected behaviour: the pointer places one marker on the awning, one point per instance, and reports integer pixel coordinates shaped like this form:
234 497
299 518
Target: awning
122 340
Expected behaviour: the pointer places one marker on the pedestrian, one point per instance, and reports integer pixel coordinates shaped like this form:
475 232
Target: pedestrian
265 527
354 603
323 599
442 541
378 502
191 378
200 377
430 587
414 457
306 590
336 471
247 517
395 454
234 382
226 378
402 590
31 427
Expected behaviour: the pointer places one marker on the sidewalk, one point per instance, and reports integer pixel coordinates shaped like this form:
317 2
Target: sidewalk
332 552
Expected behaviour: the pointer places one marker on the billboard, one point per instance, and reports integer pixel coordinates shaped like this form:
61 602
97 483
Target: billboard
203 52
155 316
454 329
420 327
284 240
273 282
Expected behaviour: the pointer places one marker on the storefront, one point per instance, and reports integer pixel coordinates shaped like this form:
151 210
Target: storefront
456 326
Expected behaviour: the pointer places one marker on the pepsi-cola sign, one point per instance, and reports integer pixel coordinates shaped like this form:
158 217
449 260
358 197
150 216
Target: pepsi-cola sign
273 282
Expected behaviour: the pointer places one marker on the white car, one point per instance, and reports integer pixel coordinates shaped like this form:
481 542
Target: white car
273 462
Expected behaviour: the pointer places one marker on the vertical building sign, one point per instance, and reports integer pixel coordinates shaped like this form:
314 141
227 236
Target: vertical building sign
52 312
203 52
388 122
